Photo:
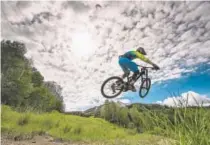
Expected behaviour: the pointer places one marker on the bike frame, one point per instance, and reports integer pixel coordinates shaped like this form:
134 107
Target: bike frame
144 71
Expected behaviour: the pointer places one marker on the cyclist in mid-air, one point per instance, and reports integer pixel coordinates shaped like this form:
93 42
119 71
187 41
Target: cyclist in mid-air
127 65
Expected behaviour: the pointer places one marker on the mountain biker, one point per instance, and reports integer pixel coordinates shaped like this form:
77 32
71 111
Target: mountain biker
127 65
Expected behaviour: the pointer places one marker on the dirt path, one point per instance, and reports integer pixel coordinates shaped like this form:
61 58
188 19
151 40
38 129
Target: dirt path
46 140
37 140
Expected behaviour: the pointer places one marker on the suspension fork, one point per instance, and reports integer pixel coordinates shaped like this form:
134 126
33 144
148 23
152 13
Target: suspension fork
143 72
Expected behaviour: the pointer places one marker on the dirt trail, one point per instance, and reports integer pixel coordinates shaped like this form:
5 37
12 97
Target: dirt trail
47 140
37 140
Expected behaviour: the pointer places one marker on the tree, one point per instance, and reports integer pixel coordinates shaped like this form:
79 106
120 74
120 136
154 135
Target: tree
123 115
37 79
22 84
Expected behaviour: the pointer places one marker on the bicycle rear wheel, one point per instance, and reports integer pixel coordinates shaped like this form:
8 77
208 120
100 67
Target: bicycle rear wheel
145 87
112 87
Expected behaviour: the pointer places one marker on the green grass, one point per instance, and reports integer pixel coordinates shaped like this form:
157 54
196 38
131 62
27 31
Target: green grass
68 127
184 126
187 126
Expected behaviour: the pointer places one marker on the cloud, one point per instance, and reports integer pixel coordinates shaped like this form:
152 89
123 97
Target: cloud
176 36
189 98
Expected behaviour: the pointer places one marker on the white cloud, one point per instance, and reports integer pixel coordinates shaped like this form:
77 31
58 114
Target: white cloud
175 34
189 98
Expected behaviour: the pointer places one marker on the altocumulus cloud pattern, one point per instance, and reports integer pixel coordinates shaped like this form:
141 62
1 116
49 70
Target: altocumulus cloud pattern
77 44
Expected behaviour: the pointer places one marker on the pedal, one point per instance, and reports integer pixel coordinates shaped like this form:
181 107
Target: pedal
132 88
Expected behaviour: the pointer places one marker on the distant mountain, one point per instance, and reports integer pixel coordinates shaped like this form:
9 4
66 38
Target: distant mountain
95 111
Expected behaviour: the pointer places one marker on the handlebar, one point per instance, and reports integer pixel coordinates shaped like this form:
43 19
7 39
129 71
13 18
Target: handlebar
145 66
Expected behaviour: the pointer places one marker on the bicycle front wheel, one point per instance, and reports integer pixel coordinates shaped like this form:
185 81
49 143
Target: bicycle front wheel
145 87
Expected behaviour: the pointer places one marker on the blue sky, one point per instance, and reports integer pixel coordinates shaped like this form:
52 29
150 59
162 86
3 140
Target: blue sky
197 81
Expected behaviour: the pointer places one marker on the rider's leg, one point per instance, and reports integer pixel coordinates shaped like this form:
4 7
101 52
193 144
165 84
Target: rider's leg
135 75
123 64
134 68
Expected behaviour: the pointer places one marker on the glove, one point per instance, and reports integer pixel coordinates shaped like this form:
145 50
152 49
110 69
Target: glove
156 67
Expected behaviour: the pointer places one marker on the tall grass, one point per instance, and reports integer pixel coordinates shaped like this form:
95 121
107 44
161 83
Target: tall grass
186 125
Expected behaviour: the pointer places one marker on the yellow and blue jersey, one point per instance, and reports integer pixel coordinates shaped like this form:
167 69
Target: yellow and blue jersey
134 55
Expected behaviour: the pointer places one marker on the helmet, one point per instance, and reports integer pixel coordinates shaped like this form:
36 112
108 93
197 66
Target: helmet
141 50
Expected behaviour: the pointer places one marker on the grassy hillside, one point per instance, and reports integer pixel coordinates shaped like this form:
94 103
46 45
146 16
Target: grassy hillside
186 125
69 127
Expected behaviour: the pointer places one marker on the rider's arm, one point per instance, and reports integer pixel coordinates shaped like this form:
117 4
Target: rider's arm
143 58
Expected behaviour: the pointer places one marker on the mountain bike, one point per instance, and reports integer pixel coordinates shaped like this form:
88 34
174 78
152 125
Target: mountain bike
115 85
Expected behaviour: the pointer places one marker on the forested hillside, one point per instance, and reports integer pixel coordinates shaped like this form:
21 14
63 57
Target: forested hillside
22 85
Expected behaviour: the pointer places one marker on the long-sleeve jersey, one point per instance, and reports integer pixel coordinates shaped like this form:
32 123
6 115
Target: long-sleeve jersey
135 54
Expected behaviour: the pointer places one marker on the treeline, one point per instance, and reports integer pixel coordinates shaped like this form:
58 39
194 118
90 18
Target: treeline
22 85
136 116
